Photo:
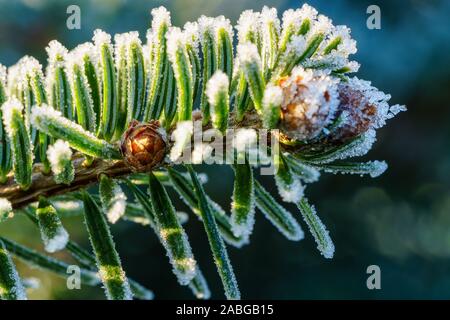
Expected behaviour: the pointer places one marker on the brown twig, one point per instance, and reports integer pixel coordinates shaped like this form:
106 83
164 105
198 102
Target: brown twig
44 185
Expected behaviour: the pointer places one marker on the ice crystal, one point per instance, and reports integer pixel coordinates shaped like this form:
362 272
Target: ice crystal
317 229
59 154
3 75
160 16
81 52
101 38
56 53
217 83
200 287
184 268
296 17
291 192
247 53
9 108
243 228
57 242
6 210
191 31
53 233
248 23
113 199
268 16
176 40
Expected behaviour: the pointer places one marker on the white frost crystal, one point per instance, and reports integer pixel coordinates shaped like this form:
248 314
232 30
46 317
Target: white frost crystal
216 84
53 234
13 79
270 15
248 54
347 45
8 109
206 25
296 17
3 75
160 16
113 199
191 30
176 40
59 154
30 66
101 38
272 100
222 23
122 44
247 24
273 95
243 228
357 148
118 209
322 25
317 229
58 241
45 118
6 210
82 51
296 46
56 53
292 192
60 157
183 268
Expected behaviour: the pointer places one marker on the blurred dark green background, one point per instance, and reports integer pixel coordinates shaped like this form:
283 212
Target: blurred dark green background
399 221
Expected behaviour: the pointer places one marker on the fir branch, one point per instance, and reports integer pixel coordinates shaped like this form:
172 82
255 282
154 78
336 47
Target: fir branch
290 76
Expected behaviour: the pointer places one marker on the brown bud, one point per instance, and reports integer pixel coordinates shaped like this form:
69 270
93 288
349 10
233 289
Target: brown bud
309 101
143 145
361 113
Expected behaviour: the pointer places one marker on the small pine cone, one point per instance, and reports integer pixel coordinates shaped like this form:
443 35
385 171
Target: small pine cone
360 113
143 145
365 107
309 103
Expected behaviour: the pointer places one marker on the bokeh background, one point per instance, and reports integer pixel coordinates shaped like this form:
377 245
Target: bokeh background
399 221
